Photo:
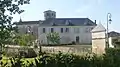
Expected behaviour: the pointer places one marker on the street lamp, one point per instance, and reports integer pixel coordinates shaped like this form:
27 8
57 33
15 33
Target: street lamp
108 21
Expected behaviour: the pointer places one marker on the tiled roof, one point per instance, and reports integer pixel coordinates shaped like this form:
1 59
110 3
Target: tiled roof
68 22
113 34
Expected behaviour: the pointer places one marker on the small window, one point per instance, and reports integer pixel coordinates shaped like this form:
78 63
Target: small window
67 30
52 29
29 29
43 30
61 30
48 14
52 14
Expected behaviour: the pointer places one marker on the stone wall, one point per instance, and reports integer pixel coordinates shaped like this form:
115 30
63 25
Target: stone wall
76 49
68 49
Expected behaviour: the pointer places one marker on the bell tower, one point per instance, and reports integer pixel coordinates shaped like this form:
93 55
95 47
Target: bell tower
49 14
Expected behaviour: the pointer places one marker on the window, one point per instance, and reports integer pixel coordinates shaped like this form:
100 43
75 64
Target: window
47 14
52 29
61 30
67 30
67 22
44 30
29 29
76 30
52 14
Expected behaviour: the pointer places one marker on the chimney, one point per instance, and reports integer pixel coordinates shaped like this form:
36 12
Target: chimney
95 21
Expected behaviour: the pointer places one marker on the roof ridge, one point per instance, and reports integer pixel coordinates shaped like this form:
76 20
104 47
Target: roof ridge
71 18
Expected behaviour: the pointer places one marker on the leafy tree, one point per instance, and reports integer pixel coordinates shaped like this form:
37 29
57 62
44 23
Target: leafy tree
53 38
7 9
24 39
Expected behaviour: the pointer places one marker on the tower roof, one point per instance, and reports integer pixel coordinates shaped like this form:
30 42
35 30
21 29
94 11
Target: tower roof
98 28
49 11
20 20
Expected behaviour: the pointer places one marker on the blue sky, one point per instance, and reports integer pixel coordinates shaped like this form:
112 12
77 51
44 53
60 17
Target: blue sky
93 9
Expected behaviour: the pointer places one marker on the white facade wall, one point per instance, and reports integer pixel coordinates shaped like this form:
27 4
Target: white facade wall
98 42
110 43
67 37
98 35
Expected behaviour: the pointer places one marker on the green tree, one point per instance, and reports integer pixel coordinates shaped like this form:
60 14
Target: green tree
7 9
53 38
24 39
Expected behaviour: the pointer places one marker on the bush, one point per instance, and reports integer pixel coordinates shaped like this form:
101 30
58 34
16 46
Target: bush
35 46
27 53
22 53
110 59
73 42
31 53
113 56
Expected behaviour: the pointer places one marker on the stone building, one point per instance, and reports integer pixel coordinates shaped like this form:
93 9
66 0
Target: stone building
69 29
113 38
99 39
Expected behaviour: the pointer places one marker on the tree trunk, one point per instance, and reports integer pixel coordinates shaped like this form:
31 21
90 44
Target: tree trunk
1 51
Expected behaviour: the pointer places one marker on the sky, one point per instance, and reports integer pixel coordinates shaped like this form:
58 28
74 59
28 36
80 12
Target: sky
92 9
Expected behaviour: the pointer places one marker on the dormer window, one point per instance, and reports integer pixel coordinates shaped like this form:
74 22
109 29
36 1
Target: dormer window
67 22
85 23
53 24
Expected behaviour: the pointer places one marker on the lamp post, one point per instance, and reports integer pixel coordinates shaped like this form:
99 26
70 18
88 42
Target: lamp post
108 21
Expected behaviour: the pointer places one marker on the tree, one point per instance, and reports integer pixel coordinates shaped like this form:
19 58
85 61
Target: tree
7 9
24 39
53 38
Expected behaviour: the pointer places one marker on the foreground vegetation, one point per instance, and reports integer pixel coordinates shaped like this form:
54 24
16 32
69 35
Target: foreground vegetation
110 59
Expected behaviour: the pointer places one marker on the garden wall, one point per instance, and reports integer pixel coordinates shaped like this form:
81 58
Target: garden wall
77 49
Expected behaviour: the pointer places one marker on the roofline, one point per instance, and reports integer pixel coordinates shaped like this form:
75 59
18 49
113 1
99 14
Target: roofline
71 18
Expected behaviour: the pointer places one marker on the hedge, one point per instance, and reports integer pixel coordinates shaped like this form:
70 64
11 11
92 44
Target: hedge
110 59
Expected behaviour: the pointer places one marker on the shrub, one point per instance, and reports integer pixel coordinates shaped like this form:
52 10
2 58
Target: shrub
35 46
27 52
73 42
110 59
113 56
31 53
22 53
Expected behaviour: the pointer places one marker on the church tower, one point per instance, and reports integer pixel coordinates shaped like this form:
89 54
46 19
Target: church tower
49 14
